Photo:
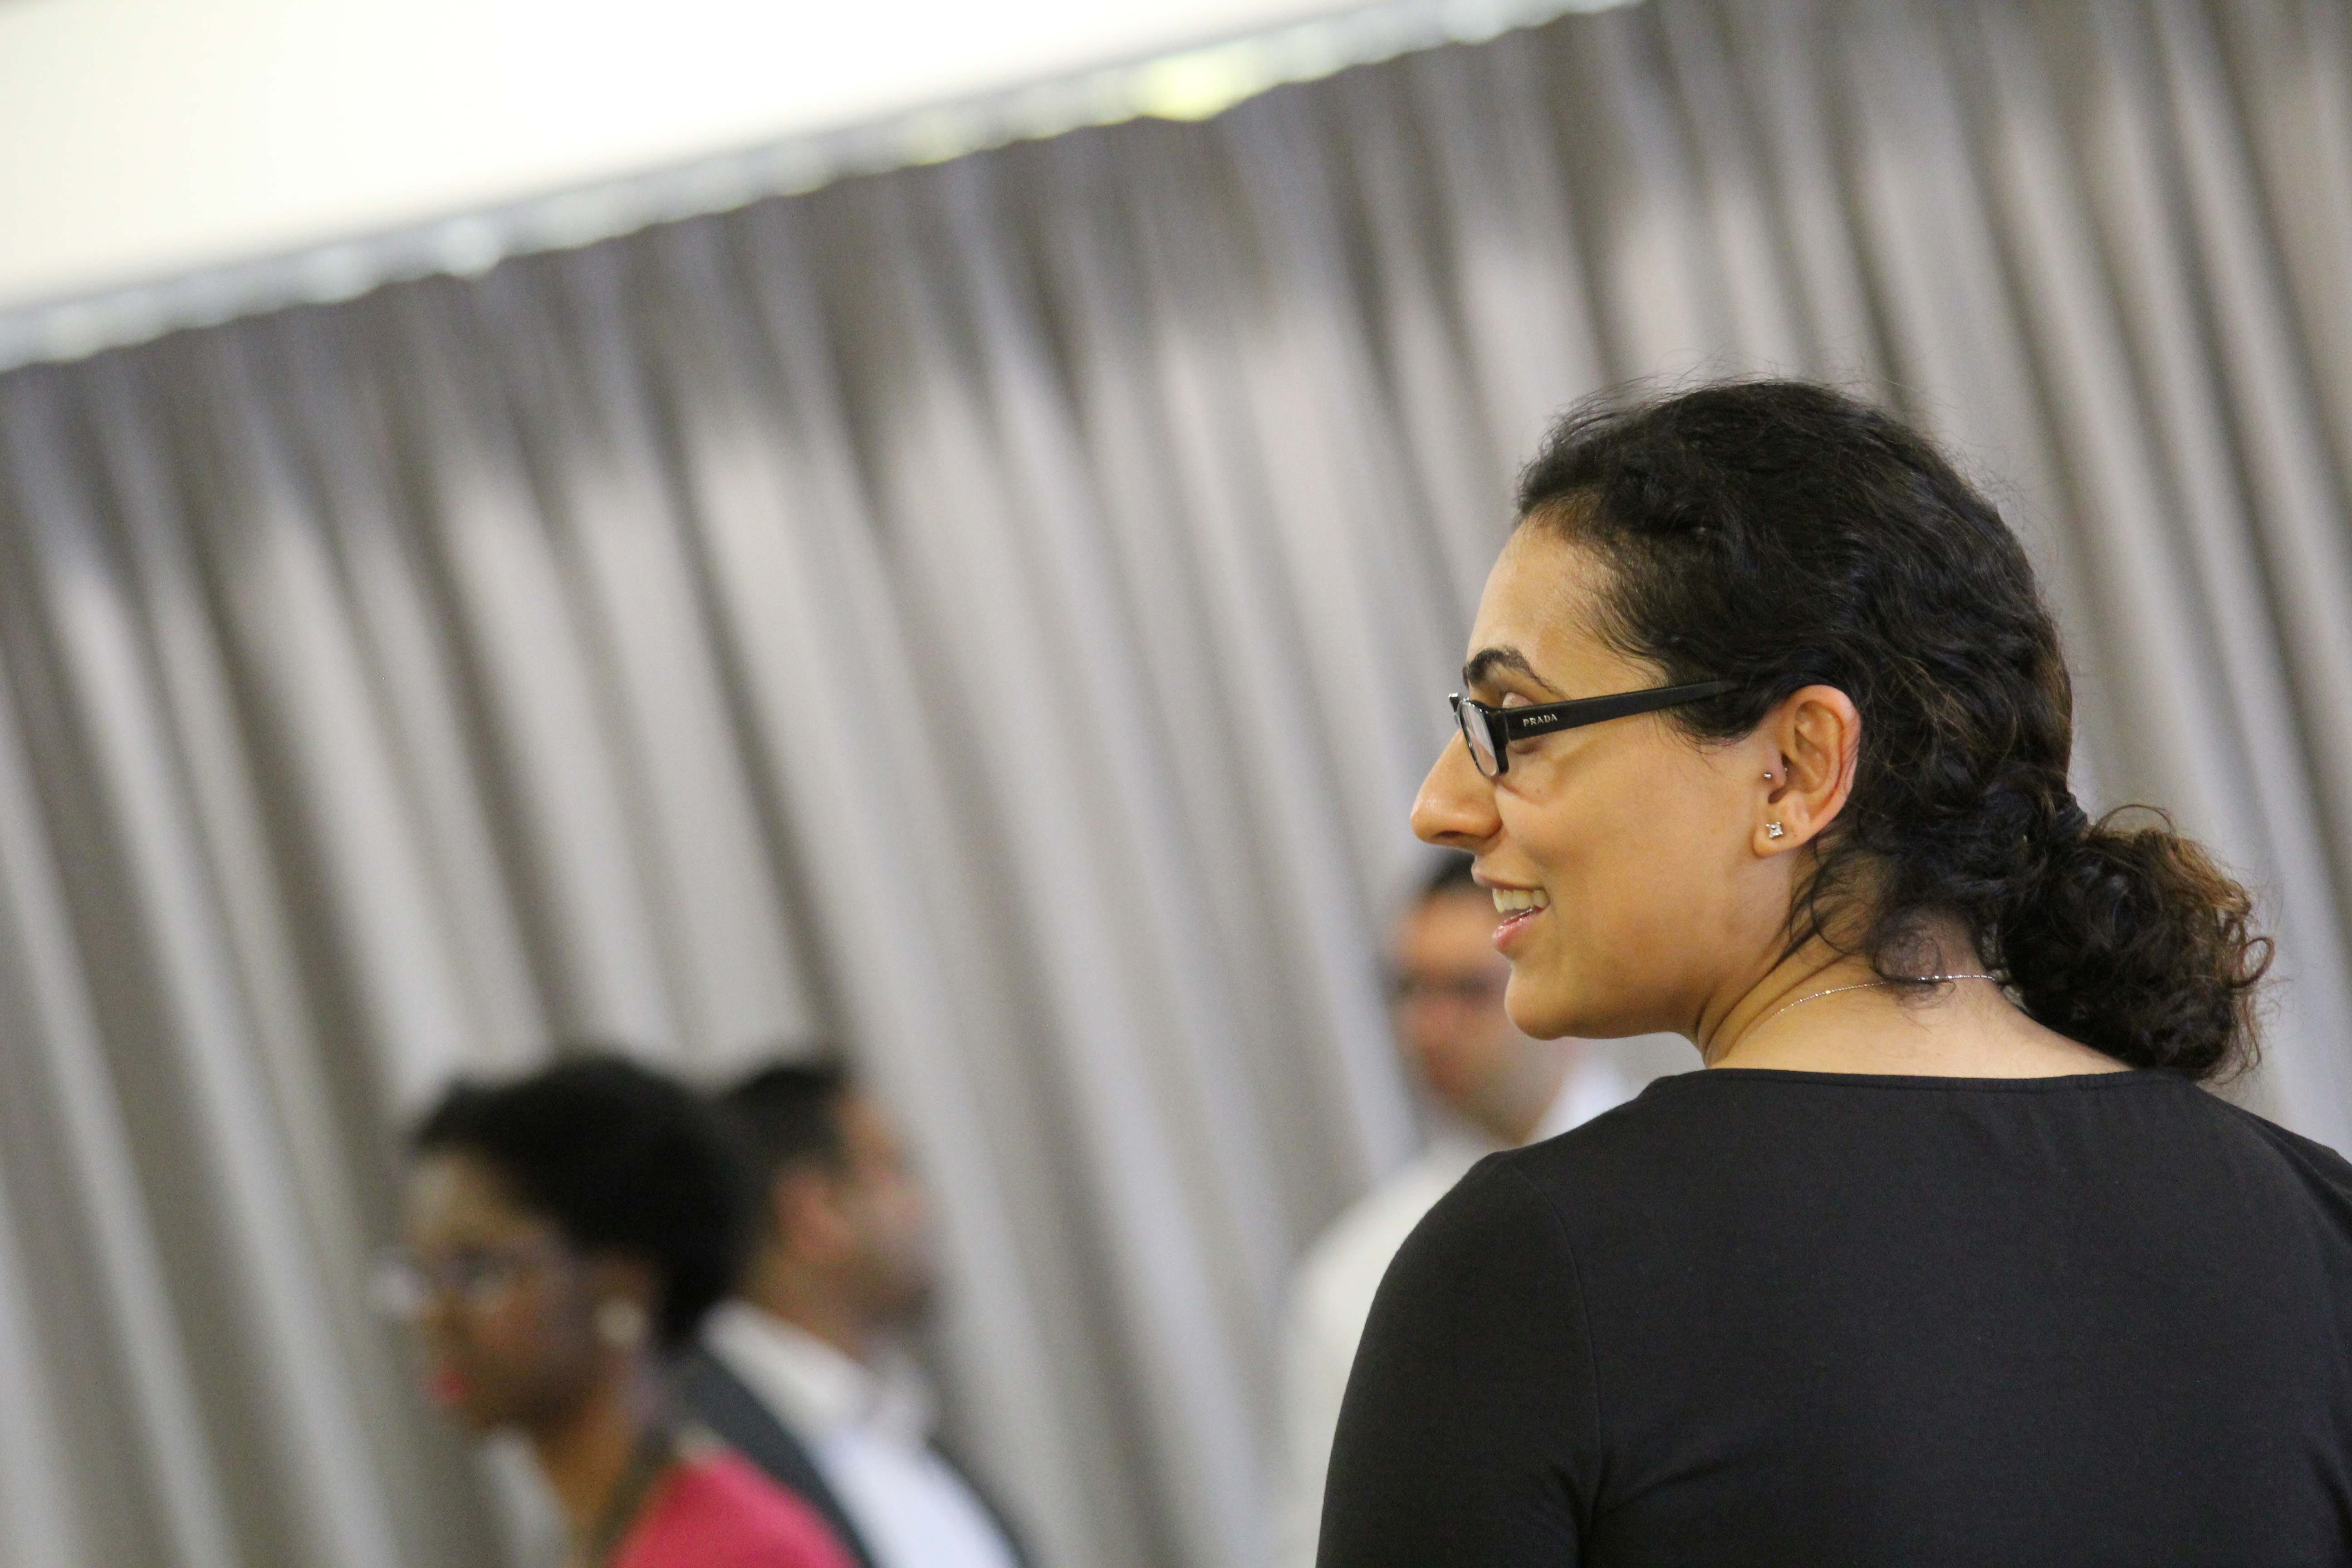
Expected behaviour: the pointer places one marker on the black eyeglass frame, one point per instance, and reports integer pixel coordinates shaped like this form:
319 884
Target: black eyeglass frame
1501 726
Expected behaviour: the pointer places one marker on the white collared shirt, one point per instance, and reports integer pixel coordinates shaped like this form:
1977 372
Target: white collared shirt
868 1431
1331 1293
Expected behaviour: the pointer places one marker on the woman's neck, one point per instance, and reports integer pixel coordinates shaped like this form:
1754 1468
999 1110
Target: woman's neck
1821 1012
585 1452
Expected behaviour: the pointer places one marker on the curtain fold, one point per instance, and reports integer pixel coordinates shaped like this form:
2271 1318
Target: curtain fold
995 615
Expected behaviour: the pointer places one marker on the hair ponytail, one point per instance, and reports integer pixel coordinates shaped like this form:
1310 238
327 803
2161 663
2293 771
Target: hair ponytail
1778 535
2133 941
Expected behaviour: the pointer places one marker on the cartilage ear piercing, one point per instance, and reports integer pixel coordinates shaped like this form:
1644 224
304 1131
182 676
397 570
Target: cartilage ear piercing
1774 830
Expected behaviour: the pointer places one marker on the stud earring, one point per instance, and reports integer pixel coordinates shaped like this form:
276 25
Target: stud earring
1774 830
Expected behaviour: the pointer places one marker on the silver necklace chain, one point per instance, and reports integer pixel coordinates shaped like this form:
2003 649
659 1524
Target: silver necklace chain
1861 985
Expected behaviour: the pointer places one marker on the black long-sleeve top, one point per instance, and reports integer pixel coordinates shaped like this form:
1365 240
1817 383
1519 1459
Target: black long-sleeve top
1778 1318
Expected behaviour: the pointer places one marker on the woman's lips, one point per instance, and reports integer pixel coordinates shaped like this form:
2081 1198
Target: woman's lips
1514 924
1519 907
447 1387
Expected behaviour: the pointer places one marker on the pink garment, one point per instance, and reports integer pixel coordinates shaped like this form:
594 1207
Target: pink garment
715 1510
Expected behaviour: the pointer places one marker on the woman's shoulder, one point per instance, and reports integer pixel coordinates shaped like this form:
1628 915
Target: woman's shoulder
714 1510
1697 1144
2311 1163
1614 1145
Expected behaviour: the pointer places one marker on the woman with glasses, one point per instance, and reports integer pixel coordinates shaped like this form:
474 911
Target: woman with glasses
565 1236
1950 1258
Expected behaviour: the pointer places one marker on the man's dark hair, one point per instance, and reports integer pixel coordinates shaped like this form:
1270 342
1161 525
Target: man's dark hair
1779 534
790 1114
1448 873
622 1160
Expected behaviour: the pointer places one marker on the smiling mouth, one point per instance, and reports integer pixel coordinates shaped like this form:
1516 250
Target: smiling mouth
1517 906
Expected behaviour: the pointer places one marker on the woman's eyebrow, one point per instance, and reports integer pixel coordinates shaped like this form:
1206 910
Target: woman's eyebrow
1487 660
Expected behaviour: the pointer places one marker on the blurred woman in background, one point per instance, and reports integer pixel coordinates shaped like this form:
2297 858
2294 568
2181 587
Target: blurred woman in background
565 1235
1948 1258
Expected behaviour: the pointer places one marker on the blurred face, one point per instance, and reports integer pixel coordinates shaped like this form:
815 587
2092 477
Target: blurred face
1638 841
865 1228
507 1312
886 1205
1449 996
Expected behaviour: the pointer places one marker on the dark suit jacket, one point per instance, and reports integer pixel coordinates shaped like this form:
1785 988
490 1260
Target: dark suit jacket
738 1417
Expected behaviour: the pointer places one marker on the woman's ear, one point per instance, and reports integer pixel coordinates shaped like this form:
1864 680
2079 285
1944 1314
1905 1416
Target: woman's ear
1815 738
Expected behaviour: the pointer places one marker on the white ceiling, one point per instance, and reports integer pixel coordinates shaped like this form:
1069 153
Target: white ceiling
144 139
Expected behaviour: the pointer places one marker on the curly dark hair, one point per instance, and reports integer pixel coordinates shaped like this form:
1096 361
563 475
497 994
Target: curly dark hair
1781 534
622 1160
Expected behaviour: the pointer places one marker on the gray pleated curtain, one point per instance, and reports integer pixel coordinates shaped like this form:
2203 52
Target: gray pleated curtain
996 615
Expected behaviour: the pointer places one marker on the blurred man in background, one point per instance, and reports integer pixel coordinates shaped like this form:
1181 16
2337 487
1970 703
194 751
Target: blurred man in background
1494 1088
806 1372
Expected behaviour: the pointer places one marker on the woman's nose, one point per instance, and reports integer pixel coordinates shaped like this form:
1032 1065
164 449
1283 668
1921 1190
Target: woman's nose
1455 807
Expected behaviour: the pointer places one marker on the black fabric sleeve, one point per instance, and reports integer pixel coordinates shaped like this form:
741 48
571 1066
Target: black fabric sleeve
1471 1433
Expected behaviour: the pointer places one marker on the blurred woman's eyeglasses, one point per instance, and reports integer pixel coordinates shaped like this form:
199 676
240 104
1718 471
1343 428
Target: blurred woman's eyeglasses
405 1284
